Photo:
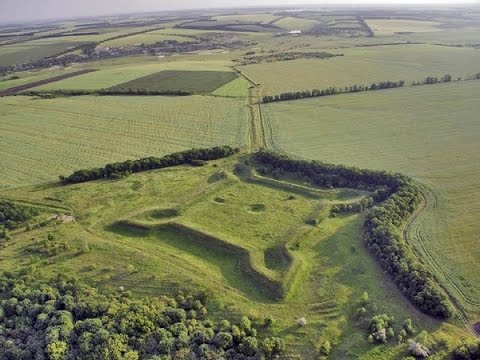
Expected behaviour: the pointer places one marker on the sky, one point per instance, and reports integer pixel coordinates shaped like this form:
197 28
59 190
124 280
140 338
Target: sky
23 10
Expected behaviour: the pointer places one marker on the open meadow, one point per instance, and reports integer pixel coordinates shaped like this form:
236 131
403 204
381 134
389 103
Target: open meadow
430 133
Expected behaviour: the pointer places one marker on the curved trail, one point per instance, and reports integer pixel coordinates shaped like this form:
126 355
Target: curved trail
430 259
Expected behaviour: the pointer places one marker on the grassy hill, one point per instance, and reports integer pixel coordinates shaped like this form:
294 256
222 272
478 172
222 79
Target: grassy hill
430 133
261 237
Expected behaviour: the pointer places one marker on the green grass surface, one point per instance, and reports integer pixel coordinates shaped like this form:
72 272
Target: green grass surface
42 139
235 88
428 132
191 81
362 66
333 268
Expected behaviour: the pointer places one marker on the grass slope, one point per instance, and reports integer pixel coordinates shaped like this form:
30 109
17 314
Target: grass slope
430 133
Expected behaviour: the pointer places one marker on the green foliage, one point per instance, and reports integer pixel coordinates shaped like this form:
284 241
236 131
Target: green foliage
63 319
117 170
332 91
381 328
13 216
467 351
326 348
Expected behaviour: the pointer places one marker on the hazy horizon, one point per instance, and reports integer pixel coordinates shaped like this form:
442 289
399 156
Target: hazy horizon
31 10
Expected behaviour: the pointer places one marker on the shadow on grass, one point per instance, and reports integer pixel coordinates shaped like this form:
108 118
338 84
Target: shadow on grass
233 262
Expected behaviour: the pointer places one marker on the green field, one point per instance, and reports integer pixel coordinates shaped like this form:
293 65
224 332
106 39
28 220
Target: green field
22 53
428 132
235 88
292 23
45 138
191 81
390 27
362 66
186 248
111 73
256 18
259 245
145 38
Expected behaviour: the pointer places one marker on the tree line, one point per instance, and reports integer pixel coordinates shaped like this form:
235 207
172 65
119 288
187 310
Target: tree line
429 80
332 91
396 199
63 320
121 169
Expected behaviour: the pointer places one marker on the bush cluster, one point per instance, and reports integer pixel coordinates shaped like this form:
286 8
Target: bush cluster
467 351
13 216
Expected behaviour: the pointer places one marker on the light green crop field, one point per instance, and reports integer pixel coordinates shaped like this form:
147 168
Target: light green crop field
146 38
191 81
235 88
362 66
292 23
42 139
217 210
428 132
111 75
390 27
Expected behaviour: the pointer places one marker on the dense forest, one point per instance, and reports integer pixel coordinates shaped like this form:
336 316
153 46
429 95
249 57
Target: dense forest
62 320
397 198
121 169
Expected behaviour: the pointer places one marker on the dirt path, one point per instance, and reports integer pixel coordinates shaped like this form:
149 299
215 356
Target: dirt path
257 134
34 84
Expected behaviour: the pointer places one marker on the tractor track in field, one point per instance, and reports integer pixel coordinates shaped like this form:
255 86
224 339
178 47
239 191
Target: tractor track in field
259 133
409 232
